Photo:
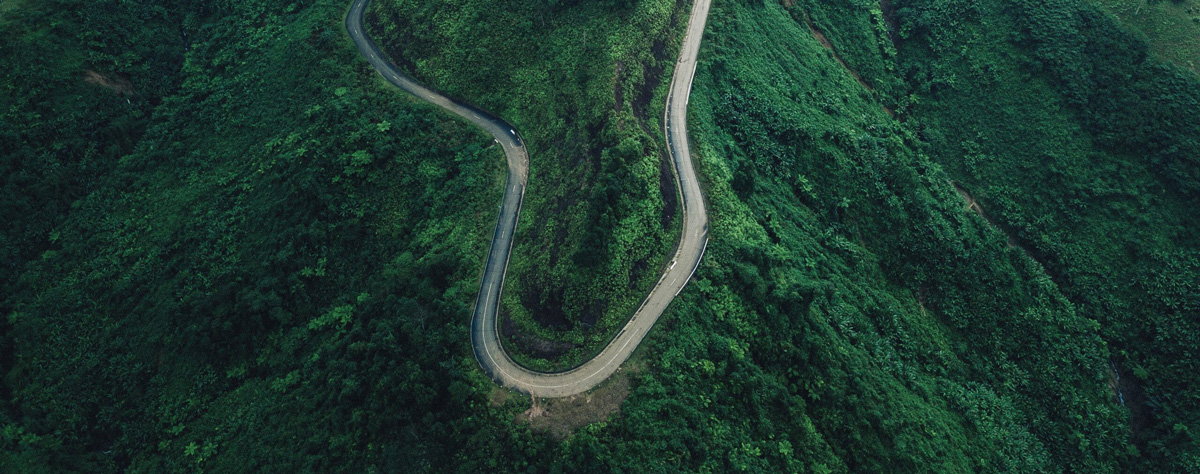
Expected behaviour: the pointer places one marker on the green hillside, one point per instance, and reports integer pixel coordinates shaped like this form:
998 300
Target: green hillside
945 237
1171 28
584 86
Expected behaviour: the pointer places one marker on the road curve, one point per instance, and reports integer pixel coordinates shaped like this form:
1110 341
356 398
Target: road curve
485 338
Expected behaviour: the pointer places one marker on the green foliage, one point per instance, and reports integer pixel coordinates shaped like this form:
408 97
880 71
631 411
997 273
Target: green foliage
1171 28
76 103
1084 148
263 232
269 259
847 251
583 82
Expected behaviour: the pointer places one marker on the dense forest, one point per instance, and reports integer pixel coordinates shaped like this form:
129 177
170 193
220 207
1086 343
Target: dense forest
946 236
585 86
1171 28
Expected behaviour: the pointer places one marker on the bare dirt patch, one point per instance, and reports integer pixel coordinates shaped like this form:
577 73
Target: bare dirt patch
537 410
111 82
559 417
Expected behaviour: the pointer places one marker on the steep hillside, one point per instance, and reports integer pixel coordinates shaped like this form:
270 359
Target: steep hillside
279 260
584 85
1171 28
1086 150
945 237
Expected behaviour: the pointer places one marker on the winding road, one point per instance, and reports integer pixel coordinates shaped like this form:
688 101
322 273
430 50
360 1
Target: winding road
485 338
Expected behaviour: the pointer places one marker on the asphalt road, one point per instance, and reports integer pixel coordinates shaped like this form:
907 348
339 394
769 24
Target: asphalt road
485 338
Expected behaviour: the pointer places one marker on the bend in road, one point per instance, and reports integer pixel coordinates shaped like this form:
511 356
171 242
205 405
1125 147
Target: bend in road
485 337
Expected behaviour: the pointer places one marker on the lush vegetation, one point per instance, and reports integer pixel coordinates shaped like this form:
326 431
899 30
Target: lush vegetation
584 85
1171 27
239 261
851 276
236 249
1095 172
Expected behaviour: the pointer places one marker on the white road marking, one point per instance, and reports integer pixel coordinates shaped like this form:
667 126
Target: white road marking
483 328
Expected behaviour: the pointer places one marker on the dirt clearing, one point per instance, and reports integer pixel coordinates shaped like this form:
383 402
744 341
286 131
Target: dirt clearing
116 84
559 417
